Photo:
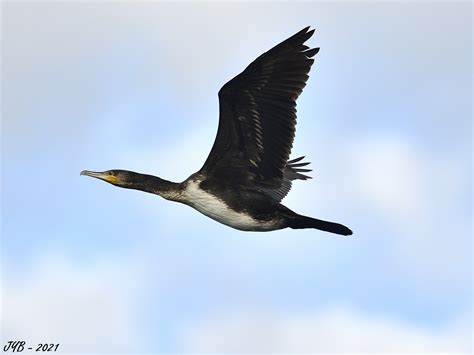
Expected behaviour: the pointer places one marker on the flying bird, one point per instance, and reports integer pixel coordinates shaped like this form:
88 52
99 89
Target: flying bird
248 171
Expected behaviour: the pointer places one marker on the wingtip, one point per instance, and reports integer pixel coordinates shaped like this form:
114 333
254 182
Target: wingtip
311 52
308 29
308 35
304 34
295 160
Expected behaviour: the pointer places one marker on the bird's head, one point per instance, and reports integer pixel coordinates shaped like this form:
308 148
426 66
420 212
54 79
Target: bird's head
132 180
122 178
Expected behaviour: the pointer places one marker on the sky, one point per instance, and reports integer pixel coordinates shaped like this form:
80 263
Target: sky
385 119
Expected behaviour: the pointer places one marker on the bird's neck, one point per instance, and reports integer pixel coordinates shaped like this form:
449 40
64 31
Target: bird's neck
155 185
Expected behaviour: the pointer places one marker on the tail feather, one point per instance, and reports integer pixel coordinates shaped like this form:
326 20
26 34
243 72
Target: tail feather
300 222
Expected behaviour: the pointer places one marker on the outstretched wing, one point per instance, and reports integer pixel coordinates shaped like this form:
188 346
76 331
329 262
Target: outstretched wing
258 116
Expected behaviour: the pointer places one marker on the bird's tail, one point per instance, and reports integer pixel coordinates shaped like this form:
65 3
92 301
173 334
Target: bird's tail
299 222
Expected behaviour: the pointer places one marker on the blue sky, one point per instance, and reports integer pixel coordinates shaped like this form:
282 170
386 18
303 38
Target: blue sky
385 120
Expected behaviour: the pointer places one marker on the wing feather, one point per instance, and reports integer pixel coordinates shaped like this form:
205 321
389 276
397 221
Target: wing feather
258 117
292 172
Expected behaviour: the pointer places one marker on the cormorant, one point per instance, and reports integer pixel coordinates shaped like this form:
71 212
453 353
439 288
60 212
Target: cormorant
248 171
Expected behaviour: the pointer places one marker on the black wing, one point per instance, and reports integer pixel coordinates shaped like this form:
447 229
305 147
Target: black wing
258 116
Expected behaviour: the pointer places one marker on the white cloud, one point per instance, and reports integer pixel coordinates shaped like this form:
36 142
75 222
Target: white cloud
405 181
419 196
388 187
389 174
175 161
83 307
335 329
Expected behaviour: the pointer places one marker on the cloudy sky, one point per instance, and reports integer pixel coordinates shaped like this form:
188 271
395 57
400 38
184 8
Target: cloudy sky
385 120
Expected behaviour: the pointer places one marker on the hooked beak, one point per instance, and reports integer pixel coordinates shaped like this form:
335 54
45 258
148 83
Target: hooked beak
100 175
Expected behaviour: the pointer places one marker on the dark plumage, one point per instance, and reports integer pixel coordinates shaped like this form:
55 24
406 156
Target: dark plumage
248 171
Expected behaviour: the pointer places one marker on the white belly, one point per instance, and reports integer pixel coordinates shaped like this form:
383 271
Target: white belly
218 210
